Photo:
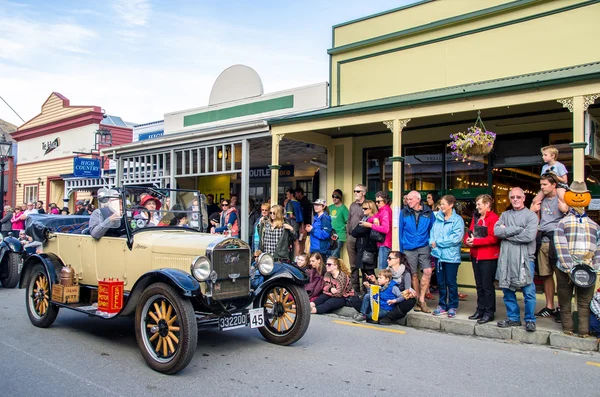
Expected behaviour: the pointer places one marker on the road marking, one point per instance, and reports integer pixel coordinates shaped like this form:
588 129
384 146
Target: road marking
395 331
593 363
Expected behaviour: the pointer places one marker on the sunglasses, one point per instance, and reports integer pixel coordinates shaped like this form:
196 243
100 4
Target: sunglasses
515 197
335 197
272 213
389 258
365 208
379 201
358 191
329 264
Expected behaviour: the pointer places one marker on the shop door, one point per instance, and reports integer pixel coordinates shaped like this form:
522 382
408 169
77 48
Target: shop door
56 193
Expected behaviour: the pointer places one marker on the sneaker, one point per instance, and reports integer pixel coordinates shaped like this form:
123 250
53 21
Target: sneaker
385 321
545 312
359 318
508 323
439 311
451 313
530 326
423 306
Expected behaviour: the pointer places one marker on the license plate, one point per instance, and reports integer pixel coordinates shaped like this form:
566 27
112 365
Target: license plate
257 317
236 320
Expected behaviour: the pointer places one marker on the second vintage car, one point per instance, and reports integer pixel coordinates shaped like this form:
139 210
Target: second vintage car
167 273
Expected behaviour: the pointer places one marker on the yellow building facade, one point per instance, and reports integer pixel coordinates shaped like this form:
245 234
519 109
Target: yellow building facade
403 80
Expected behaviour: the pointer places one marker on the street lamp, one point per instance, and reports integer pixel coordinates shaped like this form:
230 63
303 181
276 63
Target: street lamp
5 152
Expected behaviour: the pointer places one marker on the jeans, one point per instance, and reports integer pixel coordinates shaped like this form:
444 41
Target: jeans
564 291
594 325
510 300
383 254
446 274
327 304
336 252
366 307
485 273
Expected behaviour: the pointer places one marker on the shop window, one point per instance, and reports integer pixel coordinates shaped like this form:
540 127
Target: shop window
307 186
423 168
378 170
31 193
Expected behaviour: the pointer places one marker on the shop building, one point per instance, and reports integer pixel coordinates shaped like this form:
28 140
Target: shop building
225 148
55 147
403 80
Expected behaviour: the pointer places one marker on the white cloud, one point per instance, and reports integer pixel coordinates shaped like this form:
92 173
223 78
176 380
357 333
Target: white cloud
22 39
132 12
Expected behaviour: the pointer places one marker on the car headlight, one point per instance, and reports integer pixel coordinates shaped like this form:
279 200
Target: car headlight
265 264
201 268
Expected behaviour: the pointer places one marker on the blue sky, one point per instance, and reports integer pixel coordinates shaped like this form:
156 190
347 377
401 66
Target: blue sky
140 59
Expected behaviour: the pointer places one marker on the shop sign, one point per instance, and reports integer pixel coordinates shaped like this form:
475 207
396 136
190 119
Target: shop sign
467 193
150 135
217 185
592 137
265 172
49 146
86 168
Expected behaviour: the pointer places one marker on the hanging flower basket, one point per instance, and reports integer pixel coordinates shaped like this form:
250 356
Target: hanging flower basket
476 141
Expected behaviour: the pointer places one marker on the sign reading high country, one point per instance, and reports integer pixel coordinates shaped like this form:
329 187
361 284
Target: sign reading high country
49 146
86 168
265 172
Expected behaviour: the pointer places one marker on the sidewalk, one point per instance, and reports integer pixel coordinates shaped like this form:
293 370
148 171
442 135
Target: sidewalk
548 331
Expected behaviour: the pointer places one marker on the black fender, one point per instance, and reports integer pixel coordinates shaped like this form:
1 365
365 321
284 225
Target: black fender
281 271
51 262
183 282
10 244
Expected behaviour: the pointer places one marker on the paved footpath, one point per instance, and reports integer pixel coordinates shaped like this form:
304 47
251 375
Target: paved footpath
548 331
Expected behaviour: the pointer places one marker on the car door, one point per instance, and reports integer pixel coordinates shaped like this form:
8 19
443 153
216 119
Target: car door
110 258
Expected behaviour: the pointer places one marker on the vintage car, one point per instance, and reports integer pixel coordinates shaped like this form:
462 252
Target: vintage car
175 277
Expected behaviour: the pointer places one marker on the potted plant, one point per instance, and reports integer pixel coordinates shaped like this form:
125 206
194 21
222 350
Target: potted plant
476 141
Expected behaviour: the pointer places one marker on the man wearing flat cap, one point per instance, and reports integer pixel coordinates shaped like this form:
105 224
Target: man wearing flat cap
108 219
577 242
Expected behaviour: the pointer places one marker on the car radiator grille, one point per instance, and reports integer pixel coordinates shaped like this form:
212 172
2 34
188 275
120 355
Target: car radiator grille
228 263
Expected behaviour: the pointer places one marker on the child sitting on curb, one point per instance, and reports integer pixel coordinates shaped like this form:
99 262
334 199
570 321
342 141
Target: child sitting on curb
389 295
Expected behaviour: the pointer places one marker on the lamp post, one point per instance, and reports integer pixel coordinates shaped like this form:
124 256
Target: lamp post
5 151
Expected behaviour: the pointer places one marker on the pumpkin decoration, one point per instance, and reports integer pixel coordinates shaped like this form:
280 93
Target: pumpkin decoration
578 196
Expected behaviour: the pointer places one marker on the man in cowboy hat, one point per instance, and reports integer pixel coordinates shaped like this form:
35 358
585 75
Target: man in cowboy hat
576 240
107 220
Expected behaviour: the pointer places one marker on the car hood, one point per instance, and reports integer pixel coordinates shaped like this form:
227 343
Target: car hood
175 242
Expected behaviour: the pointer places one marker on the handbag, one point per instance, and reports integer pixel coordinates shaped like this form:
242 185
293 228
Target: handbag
333 241
368 258
377 236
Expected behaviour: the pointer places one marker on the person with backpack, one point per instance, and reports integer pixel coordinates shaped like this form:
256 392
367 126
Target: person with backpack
320 230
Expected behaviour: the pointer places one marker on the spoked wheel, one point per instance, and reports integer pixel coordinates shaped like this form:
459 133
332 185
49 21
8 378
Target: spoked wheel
39 309
166 329
287 313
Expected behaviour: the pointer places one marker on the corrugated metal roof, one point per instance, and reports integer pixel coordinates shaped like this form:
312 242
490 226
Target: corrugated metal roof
532 80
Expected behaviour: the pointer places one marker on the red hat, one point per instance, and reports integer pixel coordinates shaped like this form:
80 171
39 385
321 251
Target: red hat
147 198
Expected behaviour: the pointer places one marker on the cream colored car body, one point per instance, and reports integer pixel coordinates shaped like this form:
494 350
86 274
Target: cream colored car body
109 257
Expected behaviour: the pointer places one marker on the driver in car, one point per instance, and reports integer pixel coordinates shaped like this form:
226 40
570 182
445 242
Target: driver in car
107 220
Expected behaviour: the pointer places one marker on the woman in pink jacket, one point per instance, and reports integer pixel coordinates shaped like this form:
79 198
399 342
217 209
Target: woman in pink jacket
18 219
382 223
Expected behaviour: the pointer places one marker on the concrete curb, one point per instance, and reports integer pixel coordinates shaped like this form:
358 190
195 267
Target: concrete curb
490 330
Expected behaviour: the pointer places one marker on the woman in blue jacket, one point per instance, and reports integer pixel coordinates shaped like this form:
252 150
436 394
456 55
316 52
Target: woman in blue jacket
320 230
445 240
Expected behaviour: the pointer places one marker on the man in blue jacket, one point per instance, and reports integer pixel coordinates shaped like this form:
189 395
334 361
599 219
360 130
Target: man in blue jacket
414 227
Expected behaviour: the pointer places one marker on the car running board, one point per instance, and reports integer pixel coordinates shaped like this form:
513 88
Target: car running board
86 308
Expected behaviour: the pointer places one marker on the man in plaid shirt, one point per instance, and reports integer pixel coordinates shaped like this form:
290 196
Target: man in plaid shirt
576 235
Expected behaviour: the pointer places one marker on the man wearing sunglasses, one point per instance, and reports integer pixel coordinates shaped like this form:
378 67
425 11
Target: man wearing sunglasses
517 229
338 213
355 214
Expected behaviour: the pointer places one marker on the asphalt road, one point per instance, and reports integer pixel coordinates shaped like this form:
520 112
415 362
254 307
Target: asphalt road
82 356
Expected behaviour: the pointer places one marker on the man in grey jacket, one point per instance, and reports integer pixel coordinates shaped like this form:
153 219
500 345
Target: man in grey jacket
517 228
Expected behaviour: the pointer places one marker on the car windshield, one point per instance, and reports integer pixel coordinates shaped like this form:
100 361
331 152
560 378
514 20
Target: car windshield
154 207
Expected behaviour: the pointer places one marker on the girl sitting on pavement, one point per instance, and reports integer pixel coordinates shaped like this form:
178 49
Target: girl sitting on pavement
336 288
314 287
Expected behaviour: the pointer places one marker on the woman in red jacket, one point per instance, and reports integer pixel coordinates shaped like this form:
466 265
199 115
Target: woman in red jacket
485 249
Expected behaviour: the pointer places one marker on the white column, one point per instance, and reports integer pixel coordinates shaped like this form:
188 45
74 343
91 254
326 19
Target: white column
245 189
274 167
